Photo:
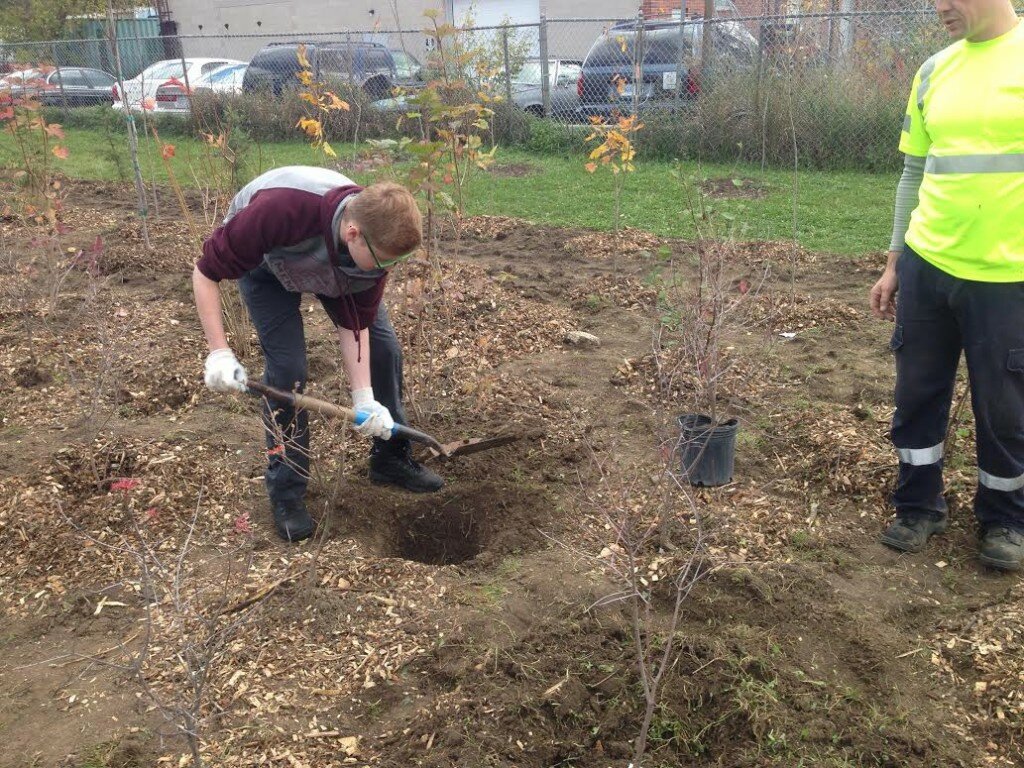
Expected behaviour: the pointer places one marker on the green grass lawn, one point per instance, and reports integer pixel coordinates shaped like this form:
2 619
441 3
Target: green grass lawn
846 213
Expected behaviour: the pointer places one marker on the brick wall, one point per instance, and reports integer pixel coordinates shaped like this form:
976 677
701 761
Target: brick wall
652 8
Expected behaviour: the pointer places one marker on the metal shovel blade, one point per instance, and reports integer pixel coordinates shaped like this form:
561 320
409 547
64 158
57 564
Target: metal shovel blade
472 445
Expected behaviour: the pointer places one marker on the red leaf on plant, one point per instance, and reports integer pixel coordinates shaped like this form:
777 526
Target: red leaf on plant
60 152
242 524
124 484
167 152
54 129
7 114
151 514
744 286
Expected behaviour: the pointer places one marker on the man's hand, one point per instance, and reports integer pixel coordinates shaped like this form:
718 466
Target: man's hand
883 294
223 372
378 422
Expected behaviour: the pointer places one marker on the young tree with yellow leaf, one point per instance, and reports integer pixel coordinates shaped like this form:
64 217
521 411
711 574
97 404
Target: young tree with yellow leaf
615 152
322 103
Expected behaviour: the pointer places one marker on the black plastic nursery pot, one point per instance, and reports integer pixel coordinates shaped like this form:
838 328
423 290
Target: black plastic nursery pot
707 451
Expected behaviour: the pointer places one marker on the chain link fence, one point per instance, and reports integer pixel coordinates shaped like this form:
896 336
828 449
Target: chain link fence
823 89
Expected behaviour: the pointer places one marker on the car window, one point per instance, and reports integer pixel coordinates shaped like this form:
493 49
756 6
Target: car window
619 48
529 74
337 60
568 74
662 51
736 41
281 60
99 79
68 78
377 60
227 74
211 66
406 66
163 70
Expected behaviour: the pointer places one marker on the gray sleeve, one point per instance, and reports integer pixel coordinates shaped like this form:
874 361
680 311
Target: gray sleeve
906 198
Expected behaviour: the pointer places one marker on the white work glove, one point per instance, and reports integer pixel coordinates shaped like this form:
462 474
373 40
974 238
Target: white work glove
223 372
378 422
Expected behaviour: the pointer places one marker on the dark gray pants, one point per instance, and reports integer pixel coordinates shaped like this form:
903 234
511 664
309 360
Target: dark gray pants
937 317
278 320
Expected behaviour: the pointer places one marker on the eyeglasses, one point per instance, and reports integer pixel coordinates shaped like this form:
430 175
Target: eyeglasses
384 264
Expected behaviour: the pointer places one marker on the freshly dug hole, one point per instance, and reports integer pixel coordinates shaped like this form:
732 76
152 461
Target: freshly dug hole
447 536
452 526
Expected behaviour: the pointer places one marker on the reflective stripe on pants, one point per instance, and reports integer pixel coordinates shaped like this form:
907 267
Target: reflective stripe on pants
939 316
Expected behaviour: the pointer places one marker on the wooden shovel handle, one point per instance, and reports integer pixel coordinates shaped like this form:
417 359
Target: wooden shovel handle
308 403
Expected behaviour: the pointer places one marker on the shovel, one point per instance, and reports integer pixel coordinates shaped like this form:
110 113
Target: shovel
438 450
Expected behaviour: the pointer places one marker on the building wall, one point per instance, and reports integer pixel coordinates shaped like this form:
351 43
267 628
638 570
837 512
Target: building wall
238 28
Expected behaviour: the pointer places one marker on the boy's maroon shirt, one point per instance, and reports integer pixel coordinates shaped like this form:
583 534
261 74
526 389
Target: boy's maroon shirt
291 212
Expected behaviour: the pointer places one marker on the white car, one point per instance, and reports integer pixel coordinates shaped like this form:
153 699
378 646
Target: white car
164 86
20 78
226 79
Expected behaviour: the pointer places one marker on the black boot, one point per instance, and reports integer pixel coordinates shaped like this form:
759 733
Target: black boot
910 533
1002 548
391 463
292 520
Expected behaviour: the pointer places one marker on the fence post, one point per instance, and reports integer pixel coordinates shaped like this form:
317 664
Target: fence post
184 74
60 76
682 54
545 75
508 71
706 43
637 75
133 138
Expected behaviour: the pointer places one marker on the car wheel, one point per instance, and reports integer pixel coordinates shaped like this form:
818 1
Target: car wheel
377 88
536 110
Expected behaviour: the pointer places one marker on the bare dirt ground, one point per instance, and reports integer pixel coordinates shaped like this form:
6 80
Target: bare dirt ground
460 629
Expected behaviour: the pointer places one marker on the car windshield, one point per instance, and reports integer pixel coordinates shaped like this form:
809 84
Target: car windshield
405 64
619 48
163 70
528 75
737 40
227 74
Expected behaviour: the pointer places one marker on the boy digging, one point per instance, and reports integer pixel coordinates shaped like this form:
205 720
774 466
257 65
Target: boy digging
298 230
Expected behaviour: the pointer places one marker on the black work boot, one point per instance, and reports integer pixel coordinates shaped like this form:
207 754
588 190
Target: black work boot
292 520
911 533
391 463
1002 548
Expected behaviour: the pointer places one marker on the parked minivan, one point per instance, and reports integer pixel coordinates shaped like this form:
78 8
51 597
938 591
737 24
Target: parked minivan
667 52
369 66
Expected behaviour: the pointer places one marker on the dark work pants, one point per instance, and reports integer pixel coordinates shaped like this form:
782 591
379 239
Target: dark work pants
275 313
937 316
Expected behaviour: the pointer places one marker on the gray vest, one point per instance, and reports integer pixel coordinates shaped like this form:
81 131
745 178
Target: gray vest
306 267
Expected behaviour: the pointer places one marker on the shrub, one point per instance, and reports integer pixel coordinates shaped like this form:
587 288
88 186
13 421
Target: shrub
831 119
845 118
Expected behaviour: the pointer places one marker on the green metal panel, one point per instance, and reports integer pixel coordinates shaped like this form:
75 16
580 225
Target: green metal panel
139 42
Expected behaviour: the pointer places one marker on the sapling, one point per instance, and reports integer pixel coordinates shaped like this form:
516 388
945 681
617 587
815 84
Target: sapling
637 566
616 150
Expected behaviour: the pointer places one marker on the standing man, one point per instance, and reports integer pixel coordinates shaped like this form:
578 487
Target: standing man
959 270
298 230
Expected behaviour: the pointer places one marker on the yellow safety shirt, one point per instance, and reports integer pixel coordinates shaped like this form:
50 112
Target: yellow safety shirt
966 117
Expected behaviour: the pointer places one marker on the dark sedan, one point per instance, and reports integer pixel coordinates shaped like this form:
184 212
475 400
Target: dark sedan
63 86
